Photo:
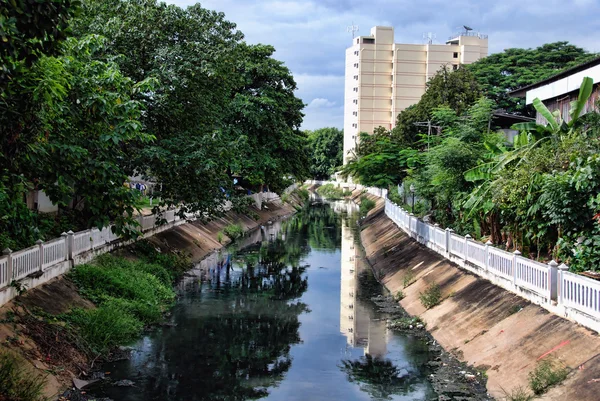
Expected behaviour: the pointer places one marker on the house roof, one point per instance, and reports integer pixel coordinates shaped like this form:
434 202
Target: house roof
506 120
521 92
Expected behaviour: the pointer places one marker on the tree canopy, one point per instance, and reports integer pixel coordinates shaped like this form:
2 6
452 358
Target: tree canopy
326 146
96 92
514 68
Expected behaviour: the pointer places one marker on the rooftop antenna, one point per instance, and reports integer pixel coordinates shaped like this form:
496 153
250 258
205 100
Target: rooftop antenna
429 37
353 29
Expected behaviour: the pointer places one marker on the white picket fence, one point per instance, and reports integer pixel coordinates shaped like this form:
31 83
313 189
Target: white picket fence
44 255
549 285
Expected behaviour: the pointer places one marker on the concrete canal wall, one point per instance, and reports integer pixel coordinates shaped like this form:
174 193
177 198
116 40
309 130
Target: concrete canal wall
479 322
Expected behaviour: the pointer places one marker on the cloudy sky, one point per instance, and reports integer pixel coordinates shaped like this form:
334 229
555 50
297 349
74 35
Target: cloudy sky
310 35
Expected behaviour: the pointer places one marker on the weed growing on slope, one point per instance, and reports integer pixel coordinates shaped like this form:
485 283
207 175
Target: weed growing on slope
366 205
408 279
517 394
547 373
129 294
233 231
175 263
431 296
16 383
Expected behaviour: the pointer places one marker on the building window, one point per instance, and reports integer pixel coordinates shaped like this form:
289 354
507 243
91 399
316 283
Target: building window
355 65
355 113
455 67
358 41
356 53
369 41
356 77
355 101
455 55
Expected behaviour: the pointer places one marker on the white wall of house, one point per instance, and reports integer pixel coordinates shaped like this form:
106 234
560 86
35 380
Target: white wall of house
563 86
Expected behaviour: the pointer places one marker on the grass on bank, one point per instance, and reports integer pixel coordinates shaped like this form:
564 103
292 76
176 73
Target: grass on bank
233 231
332 192
366 205
129 294
18 383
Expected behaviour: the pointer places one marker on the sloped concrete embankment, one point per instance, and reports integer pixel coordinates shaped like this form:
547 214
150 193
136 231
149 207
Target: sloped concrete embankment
480 323
59 295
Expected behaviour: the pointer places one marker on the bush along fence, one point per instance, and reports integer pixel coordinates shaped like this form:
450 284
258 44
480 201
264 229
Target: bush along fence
550 285
36 265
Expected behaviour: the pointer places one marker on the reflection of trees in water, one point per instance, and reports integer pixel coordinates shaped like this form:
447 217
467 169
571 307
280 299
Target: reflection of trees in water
239 349
317 226
379 377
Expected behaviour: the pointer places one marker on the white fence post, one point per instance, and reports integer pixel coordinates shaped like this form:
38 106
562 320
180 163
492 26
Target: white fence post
516 254
70 244
561 291
553 280
449 232
65 237
467 239
40 245
9 266
487 254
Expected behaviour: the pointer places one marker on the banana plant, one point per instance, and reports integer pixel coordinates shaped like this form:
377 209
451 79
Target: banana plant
532 134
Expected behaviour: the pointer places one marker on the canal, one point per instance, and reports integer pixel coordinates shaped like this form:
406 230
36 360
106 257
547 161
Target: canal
284 314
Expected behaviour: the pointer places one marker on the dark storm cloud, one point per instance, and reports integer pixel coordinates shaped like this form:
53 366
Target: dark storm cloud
311 38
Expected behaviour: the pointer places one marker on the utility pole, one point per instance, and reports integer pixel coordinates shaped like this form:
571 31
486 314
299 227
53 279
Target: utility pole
429 127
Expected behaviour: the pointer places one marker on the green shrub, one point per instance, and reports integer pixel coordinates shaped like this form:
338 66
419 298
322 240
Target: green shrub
399 296
16 382
106 327
220 237
366 205
347 193
233 231
120 278
303 194
408 279
407 323
175 263
331 192
547 373
431 296
517 394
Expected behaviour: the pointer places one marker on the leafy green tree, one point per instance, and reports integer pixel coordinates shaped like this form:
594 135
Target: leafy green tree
456 89
264 117
327 148
514 68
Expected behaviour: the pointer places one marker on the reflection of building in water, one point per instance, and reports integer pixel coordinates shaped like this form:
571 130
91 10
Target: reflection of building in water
356 320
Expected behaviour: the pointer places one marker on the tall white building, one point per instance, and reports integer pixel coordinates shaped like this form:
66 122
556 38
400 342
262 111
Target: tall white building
383 78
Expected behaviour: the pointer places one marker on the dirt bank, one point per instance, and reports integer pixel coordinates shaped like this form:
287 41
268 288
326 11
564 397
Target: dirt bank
55 356
481 324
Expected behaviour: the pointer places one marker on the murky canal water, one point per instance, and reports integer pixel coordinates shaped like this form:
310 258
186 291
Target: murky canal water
284 315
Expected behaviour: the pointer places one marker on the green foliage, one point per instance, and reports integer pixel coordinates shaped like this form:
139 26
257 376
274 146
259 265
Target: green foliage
457 90
517 394
107 326
326 145
16 382
514 68
331 191
233 231
302 193
408 279
407 323
546 374
175 263
220 106
399 295
110 277
366 205
431 297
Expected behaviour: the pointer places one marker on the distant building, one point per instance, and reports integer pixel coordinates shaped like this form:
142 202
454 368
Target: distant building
383 78
558 91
